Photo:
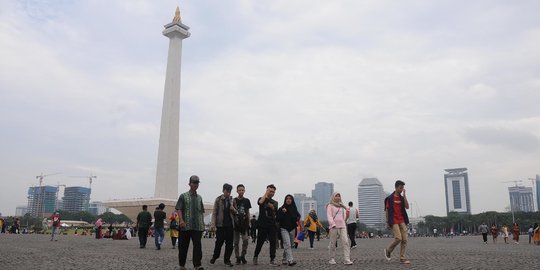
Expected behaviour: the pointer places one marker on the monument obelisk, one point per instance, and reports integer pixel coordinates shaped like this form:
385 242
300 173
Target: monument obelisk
167 164
166 185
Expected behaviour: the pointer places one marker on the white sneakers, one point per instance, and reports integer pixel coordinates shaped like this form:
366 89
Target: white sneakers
333 261
386 255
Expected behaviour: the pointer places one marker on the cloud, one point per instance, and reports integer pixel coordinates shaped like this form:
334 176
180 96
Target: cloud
274 92
512 139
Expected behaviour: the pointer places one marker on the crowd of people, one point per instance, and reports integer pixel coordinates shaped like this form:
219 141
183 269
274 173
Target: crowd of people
533 233
283 224
232 226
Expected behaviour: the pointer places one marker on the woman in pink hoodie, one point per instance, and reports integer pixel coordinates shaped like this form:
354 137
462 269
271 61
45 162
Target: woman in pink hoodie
337 213
98 225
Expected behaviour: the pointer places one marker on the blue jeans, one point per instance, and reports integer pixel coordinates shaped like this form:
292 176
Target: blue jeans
159 235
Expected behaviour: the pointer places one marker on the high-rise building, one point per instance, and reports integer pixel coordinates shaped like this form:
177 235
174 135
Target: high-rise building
97 208
521 199
321 194
76 199
304 204
538 192
298 198
371 197
42 200
21 211
307 205
456 186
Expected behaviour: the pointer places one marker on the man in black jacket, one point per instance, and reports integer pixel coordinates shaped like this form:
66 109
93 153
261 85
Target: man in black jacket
159 228
266 225
397 220
144 221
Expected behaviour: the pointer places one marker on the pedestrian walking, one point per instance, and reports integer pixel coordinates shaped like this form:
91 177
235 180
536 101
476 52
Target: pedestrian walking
266 224
536 234
223 215
494 232
530 232
190 210
98 226
144 221
504 230
336 212
354 217
288 217
300 234
397 220
312 224
516 232
253 228
483 229
174 229
55 218
159 226
17 226
241 226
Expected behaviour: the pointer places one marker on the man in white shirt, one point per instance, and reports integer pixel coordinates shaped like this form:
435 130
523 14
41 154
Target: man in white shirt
351 224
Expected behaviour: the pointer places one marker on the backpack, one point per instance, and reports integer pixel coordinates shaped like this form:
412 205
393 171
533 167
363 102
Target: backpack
174 225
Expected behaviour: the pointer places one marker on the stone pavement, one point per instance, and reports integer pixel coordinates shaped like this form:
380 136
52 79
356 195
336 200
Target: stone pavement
84 252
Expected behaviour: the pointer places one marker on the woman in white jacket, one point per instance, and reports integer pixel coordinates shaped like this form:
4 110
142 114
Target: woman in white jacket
337 213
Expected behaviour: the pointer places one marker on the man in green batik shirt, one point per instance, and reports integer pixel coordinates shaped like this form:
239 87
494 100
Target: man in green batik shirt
190 209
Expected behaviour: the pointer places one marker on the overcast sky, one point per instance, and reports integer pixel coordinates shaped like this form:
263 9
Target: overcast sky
283 92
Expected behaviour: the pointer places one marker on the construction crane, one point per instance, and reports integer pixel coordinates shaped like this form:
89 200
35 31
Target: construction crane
41 176
90 178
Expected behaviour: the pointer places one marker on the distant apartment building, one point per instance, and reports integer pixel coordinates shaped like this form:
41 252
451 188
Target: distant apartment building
456 186
304 204
307 206
321 194
42 201
21 211
298 198
76 199
371 197
521 199
538 192
97 208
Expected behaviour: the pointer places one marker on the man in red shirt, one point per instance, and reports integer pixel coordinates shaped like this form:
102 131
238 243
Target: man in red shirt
55 218
397 220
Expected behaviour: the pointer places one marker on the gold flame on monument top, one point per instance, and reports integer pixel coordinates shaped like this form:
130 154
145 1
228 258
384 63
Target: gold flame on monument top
177 17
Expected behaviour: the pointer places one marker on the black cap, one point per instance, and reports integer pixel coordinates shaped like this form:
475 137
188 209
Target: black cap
194 179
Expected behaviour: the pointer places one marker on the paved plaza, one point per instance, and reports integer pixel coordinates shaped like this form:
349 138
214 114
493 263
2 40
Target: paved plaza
82 252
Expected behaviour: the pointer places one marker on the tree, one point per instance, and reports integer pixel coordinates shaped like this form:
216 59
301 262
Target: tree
81 216
110 217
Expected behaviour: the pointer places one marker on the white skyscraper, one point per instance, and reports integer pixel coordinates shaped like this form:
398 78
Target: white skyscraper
456 185
371 203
